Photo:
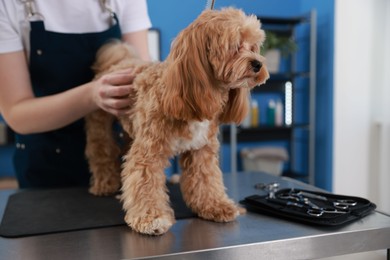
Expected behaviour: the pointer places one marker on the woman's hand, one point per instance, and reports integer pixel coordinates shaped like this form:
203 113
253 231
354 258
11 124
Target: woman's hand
112 92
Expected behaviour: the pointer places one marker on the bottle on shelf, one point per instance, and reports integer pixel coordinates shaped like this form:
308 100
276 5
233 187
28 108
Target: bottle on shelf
271 113
247 121
254 114
279 113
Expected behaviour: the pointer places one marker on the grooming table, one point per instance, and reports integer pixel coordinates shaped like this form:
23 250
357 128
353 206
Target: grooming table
252 236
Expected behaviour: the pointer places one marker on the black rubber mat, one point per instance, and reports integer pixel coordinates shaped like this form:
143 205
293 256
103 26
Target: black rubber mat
37 212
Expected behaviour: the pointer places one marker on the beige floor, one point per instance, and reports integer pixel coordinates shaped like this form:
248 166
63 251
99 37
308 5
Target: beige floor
8 183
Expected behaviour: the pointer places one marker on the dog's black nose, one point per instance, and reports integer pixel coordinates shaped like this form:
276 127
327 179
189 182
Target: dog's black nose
256 65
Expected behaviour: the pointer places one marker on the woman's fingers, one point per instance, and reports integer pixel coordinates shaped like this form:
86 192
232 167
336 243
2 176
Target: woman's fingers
114 92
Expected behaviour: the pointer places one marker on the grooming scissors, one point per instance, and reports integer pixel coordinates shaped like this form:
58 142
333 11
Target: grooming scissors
316 212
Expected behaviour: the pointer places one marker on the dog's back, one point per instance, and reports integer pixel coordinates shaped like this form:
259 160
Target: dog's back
115 55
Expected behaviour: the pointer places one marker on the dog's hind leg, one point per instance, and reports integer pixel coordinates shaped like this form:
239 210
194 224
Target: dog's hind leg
103 154
144 193
202 185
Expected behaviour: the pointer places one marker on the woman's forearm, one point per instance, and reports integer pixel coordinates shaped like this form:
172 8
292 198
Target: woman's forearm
26 114
43 114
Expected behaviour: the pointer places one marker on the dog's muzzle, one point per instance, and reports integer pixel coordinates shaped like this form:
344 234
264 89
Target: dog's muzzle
256 65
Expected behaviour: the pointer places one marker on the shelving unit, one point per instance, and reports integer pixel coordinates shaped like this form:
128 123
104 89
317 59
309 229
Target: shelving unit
292 80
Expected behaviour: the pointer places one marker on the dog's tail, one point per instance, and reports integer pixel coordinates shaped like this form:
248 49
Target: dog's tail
112 53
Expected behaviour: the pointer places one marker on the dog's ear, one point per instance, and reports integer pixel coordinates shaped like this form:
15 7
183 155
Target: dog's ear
191 93
237 106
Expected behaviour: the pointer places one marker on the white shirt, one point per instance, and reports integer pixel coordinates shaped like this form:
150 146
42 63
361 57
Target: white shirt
67 16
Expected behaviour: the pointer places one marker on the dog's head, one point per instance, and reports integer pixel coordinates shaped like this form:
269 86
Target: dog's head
218 53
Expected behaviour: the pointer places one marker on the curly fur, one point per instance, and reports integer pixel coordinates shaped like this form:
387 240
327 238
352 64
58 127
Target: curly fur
179 104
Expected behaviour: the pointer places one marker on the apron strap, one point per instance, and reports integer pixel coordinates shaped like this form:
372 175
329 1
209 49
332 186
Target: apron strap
106 7
33 15
31 11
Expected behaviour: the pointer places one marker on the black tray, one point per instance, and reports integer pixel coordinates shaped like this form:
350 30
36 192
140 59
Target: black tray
299 211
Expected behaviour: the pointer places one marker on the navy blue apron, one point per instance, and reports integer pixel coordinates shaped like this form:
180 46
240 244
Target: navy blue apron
58 62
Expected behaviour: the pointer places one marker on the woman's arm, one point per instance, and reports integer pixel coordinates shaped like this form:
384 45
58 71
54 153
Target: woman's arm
27 114
139 40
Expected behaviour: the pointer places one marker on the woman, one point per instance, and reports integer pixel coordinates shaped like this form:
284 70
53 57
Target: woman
46 51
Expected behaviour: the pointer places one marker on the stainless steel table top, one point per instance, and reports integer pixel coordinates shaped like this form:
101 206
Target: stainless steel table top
251 236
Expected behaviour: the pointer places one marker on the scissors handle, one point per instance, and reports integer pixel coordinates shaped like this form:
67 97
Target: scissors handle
319 212
344 204
347 202
288 196
315 212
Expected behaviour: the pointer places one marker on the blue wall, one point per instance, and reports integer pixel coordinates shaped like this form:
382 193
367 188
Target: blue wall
324 101
171 16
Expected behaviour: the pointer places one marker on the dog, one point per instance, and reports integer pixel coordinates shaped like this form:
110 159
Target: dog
178 107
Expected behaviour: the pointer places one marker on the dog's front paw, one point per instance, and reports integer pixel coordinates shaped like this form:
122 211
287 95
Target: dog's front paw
150 225
221 211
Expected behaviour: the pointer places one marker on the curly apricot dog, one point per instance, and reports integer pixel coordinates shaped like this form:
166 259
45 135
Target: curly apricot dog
179 106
